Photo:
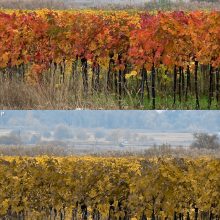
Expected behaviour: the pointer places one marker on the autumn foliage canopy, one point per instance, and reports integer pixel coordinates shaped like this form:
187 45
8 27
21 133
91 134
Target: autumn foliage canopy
171 38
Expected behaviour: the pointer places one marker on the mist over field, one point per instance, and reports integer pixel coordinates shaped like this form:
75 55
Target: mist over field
80 3
98 130
113 4
63 4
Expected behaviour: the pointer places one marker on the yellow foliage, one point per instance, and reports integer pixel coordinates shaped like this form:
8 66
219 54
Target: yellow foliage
169 184
131 74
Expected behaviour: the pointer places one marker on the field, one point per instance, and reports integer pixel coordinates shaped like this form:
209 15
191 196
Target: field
109 188
99 59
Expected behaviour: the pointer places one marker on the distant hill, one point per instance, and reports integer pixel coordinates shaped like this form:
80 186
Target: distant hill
179 121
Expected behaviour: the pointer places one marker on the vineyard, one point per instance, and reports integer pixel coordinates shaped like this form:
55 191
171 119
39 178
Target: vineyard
129 55
110 188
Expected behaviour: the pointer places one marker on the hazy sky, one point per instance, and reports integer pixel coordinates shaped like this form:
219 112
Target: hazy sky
161 121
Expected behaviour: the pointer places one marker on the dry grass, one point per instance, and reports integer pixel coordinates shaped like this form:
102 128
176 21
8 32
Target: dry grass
165 151
18 95
156 151
32 150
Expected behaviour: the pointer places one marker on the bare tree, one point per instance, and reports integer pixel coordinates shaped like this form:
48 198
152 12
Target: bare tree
207 141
